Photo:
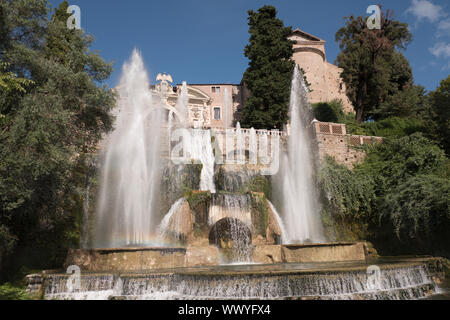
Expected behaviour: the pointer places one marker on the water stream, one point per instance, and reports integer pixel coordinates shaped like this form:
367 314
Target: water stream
128 199
249 282
299 197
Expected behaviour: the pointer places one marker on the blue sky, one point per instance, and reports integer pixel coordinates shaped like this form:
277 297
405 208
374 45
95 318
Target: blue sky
202 41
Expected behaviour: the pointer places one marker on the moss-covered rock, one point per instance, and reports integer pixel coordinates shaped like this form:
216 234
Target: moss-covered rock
261 184
199 203
260 213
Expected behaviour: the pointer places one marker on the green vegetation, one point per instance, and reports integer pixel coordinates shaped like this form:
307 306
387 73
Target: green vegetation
399 198
197 198
269 76
53 111
261 184
374 69
332 111
347 198
9 292
260 213
438 117
389 127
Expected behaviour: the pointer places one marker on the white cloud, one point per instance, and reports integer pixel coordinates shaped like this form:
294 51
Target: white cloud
446 67
444 27
441 49
424 9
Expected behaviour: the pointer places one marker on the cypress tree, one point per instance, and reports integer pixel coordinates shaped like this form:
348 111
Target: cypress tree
270 71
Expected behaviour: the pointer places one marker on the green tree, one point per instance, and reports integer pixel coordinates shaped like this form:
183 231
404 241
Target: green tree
410 176
411 102
398 197
439 118
61 117
398 159
419 211
270 71
348 198
373 68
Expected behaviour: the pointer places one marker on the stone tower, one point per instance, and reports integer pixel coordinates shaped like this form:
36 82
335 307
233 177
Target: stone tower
324 77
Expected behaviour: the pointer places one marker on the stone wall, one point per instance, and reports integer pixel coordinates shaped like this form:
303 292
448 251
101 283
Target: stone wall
334 141
325 79
333 252
141 259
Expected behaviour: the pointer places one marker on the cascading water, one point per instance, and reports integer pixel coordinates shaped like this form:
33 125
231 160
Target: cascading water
128 200
172 221
199 148
300 204
279 221
231 220
404 283
230 206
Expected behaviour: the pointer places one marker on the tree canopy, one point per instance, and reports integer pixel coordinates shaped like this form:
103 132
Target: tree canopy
54 110
270 71
374 68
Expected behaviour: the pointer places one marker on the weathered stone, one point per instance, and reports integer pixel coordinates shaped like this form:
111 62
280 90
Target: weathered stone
181 226
128 259
333 141
35 283
332 252
267 254
202 256
259 241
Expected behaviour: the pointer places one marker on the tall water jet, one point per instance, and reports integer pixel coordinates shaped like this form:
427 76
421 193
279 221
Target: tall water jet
301 208
183 105
128 199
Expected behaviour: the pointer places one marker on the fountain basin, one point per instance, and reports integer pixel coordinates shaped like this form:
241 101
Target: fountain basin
327 252
154 258
399 279
127 259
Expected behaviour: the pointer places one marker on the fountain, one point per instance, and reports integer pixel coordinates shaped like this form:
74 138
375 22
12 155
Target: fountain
204 229
128 197
300 204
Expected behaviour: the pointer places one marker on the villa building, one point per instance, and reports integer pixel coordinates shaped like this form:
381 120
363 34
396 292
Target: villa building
324 77
215 105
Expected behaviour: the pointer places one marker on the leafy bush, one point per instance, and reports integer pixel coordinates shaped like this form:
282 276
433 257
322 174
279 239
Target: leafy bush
411 212
347 198
332 111
419 208
396 160
9 292
387 128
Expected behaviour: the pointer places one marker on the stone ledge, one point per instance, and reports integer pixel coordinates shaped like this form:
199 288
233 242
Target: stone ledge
327 252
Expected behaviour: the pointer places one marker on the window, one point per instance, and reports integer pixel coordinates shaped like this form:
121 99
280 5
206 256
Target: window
217 113
215 89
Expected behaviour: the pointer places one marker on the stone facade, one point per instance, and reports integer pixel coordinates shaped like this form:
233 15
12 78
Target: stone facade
324 77
141 259
331 252
333 141
213 111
